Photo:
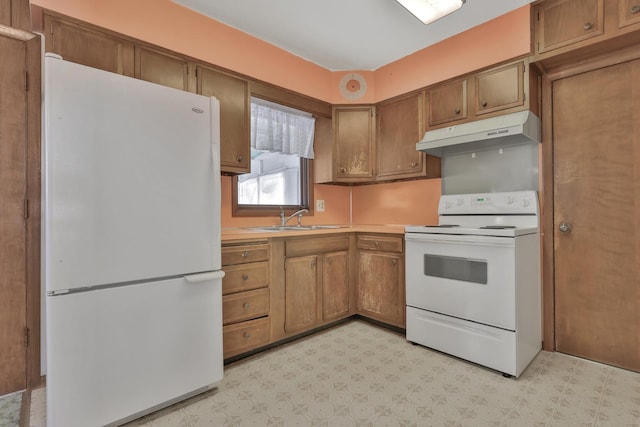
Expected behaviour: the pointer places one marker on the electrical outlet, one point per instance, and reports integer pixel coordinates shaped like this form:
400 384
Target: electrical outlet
320 205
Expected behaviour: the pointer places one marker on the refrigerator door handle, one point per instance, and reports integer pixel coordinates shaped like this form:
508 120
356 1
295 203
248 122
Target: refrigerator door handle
203 277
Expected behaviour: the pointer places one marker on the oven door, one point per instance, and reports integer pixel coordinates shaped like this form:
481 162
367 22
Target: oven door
468 277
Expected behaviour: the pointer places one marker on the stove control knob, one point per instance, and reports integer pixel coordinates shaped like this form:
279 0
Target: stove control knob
525 203
446 205
509 200
459 202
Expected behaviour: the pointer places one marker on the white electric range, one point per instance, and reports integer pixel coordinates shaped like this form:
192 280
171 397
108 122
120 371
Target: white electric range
473 280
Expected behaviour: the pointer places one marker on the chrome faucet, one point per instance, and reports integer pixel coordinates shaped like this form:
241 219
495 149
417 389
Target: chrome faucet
284 220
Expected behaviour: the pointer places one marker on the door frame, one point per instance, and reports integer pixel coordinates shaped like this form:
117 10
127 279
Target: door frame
33 84
561 69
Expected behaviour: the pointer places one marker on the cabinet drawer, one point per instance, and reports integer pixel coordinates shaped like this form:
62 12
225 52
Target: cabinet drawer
243 254
241 337
381 243
245 277
245 306
316 245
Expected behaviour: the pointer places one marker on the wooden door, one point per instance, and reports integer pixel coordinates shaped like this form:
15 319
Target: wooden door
158 67
447 103
499 89
235 113
354 138
13 187
301 293
87 47
564 22
596 132
400 126
335 285
381 287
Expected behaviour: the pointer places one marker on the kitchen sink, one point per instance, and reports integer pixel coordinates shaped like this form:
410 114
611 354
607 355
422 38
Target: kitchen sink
294 227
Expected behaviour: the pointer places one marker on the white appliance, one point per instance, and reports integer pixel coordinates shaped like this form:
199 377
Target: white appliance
131 245
473 280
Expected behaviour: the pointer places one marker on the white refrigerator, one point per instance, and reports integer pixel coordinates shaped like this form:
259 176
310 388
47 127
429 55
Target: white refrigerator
131 245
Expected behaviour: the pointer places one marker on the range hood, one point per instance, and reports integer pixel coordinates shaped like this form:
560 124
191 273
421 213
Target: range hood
501 131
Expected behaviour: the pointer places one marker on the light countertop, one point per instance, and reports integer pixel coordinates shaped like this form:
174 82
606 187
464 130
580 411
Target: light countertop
249 233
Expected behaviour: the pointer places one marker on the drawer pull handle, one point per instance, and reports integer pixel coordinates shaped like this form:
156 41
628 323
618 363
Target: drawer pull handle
635 9
246 306
587 26
247 335
245 277
245 254
376 243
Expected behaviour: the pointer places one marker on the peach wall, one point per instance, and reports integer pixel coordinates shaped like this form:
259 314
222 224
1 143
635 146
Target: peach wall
167 24
410 202
336 200
174 27
505 37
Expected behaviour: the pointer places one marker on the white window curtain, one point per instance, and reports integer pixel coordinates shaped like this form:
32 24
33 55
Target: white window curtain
281 129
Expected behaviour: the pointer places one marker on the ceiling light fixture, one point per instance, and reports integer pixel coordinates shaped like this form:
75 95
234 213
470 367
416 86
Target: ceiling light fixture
431 10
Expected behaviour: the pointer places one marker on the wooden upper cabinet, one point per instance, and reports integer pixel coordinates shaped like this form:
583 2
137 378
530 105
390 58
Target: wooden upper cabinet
88 47
16 14
500 88
447 102
628 12
399 128
235 111
561 23
163 69
354 139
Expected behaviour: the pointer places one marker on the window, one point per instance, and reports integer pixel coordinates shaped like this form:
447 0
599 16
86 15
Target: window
281 153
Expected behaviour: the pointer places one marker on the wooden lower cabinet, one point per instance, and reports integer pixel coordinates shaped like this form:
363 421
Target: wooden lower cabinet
316 282
246 299
381 285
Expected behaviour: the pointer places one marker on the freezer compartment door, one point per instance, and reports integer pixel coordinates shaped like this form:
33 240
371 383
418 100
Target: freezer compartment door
117 352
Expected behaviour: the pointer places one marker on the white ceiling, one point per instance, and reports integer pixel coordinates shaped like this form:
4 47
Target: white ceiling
346 34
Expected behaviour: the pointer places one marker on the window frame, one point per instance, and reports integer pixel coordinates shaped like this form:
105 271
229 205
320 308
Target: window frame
306 195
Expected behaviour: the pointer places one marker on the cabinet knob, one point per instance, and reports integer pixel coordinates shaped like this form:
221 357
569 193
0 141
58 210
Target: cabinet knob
246 306
587 26
483 103
313 264
343 170
414 164
376 243
247 335
245 254
329 261
457 111
240 159
565 227
635 9
394 261
245 277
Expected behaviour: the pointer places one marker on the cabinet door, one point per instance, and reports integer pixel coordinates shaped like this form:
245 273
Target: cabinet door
160 68
354 139
500 89
301 296
87 47
381 287
447 103
628 12
400 126
233 94
335 286
564 22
